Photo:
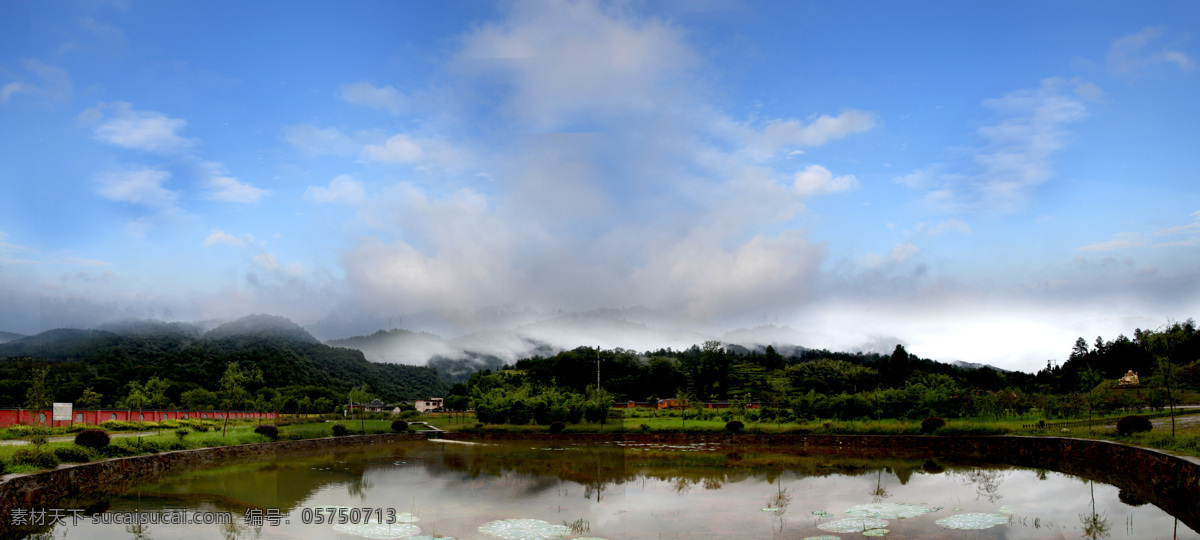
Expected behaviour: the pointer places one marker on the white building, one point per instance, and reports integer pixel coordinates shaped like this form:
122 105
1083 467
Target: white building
428 405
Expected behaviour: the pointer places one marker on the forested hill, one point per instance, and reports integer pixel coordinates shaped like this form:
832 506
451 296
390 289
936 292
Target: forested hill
291 361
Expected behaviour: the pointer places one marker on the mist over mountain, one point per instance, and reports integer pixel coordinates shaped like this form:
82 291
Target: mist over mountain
456 358
973 365
287 355
262 326
5 337
152 328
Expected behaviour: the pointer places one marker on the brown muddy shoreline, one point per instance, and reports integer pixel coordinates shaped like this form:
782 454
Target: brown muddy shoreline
1170 482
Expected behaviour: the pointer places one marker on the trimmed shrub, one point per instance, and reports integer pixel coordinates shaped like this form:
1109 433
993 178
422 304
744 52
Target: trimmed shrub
117 450
1129 425
3 466
932 424
399 426
176 445
92 438
72 454
734 426
200 428
557 427
37 458
147 445
181 433
38 440
20 430
267 430
340 430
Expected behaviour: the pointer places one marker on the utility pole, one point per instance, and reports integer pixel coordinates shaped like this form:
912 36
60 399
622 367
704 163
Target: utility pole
597 370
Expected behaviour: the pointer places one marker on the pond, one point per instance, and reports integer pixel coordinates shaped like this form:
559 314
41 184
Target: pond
542 489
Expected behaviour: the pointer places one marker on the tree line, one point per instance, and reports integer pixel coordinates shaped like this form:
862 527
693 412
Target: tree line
825 384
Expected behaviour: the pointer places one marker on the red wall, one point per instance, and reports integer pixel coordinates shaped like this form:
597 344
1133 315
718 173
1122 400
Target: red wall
9 417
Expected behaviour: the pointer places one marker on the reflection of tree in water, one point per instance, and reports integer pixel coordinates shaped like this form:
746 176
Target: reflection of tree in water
682 484
780 502
987 483
879 493
358 486
1094 525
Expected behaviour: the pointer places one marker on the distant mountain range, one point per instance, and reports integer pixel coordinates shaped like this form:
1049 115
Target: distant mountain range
5 337
457 358
972 365
286 354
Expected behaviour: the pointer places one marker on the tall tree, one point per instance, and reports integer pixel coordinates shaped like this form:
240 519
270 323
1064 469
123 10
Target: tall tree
39 398
90 399
361 395
233 383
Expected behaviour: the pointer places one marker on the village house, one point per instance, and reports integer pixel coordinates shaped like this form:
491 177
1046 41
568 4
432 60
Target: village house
433 404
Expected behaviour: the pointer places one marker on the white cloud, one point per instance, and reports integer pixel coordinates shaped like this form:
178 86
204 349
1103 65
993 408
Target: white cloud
267 261
342 189
786 133
817 180
217 236
141 185
1128 56
945 227
397 149
410 151
1189 232
9 89
222 187
578 63
141 130
45 82
385 98
902 252
315 140
1013 153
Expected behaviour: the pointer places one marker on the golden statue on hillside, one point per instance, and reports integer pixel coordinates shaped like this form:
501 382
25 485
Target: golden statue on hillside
1130 379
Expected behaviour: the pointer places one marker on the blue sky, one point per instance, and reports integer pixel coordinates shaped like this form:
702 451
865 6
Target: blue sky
979 182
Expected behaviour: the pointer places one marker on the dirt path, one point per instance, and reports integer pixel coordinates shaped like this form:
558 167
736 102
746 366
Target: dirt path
68 438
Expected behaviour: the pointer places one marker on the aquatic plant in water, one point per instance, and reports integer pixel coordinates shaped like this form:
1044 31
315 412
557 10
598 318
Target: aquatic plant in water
972 521
875 532
379 531
824 537
524 529
853 525
888 510
821 513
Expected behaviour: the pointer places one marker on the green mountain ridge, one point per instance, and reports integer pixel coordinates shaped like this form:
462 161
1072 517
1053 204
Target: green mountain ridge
287 355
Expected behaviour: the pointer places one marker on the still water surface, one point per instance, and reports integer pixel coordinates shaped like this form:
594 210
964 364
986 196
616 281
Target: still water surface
429 489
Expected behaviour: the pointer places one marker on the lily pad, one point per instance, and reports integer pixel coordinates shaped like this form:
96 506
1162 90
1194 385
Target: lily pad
875 532
1006 509
770 509
973 521
824 537
853 525
379 531
888 510
524 529
821 513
